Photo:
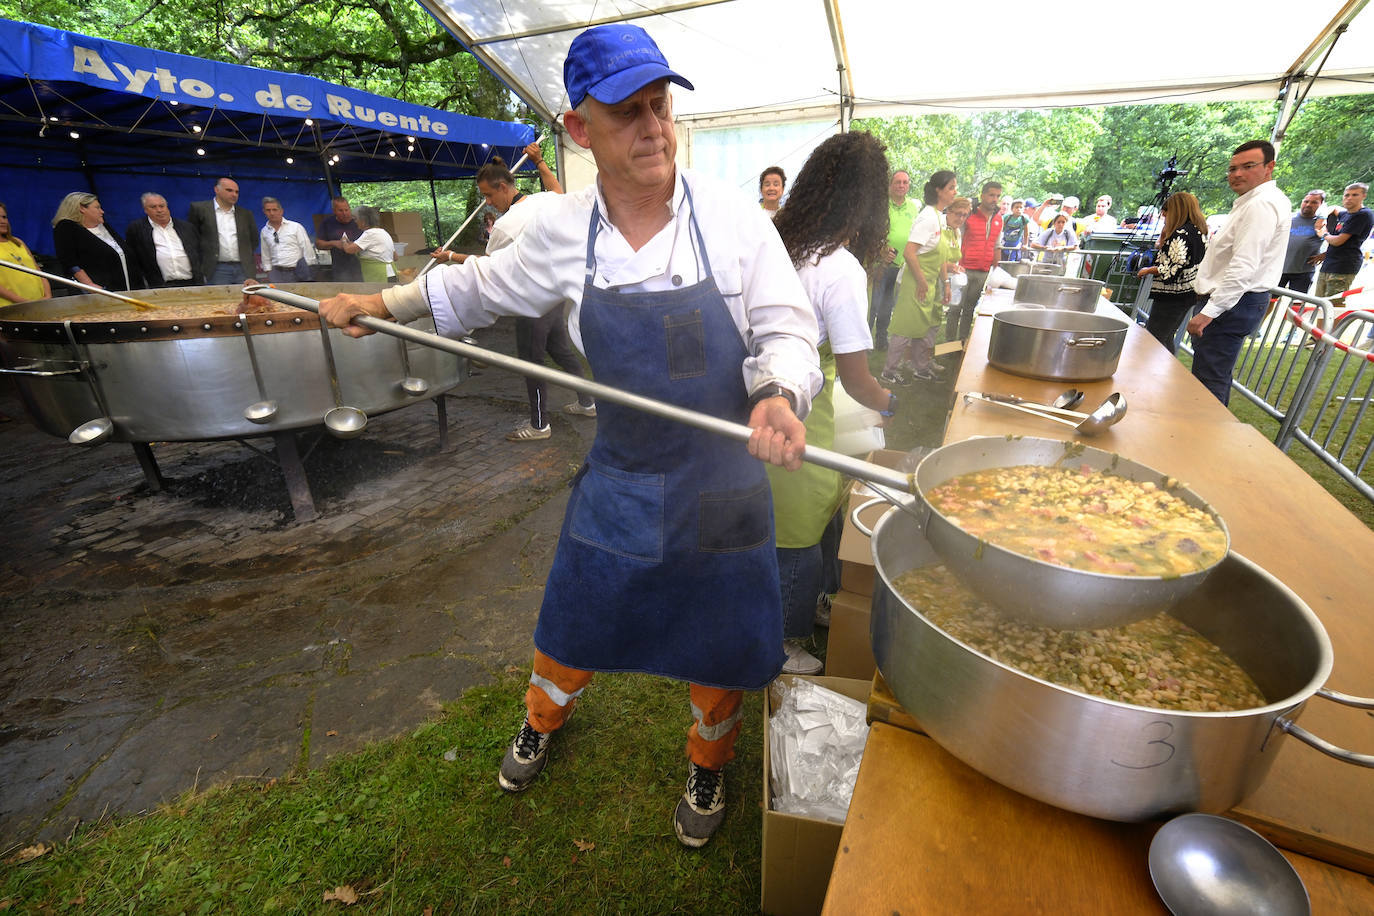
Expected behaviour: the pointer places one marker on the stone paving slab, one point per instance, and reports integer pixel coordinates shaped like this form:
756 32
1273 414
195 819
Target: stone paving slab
155 641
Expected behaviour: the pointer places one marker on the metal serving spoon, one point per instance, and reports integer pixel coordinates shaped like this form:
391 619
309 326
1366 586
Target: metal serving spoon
1108 413
1204 864
1069 398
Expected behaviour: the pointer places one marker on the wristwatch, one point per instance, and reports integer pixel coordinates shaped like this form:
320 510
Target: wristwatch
891 405
773 391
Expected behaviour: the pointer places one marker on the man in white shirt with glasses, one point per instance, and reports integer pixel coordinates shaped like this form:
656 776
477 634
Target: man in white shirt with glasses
1244 259
286 249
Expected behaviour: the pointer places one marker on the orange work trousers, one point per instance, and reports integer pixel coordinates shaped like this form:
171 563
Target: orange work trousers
554 689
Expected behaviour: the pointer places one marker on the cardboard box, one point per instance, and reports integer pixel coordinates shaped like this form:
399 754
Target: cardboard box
856 559
798 852
849 650
403 223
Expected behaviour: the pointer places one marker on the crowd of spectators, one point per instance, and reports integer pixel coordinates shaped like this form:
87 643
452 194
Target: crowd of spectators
218 242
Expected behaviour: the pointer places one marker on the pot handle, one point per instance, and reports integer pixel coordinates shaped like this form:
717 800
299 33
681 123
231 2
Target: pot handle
1321 744
1086 343
858 510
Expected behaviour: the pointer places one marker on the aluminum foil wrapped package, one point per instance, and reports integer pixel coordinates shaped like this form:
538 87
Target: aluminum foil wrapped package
816 740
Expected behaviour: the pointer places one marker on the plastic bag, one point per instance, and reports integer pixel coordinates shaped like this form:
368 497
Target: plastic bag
856 427
999 279
816 740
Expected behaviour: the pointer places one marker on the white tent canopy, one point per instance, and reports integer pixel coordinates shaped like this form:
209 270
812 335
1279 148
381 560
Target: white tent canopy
796 60
758 62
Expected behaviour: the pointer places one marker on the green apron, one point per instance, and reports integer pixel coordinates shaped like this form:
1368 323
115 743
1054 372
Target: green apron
374 271
912 317
804 500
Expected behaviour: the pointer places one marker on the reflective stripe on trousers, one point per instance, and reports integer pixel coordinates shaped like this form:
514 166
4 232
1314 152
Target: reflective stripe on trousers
554 689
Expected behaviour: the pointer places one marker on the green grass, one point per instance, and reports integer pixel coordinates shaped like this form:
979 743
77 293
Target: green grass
407 829
1339 376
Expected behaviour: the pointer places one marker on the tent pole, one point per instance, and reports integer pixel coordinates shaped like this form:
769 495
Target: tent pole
434 201
335 190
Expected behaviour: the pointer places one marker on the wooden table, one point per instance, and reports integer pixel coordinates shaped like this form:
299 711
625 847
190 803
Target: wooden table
910 793
927 834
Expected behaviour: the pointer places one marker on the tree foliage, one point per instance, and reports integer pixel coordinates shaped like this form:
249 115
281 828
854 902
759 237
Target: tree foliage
389 47
1121 150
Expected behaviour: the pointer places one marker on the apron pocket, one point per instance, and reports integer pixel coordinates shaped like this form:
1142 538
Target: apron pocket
686 345
735 520
619 512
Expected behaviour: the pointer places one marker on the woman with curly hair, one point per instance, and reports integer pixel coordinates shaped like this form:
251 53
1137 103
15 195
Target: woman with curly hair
922 292
834 222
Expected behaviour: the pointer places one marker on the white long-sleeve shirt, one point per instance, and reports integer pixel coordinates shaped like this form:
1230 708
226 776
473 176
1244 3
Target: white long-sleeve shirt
284 246
1247 253
546 268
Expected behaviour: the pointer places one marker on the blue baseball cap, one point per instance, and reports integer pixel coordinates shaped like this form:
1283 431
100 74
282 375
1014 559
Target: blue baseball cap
613 62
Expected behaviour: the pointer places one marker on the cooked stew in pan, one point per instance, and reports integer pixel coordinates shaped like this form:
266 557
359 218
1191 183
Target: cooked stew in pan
1085 519
1160 662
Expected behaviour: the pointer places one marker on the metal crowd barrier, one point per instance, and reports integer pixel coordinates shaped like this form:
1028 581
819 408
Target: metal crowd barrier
1334 420
1313 372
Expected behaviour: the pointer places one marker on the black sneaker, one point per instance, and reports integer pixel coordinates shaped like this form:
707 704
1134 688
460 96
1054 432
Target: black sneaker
894 378
525 758
702 806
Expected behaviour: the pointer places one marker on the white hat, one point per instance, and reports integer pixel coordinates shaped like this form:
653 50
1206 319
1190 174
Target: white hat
1071 201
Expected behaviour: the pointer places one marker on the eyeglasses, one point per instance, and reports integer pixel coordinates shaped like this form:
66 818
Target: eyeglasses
275 240
1243 167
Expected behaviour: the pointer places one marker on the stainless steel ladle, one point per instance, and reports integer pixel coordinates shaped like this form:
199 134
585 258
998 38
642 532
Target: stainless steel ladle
411 385
266 408
1108 413
1201 863
341 421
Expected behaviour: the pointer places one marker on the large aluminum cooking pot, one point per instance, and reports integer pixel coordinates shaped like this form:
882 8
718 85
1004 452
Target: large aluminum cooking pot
166 379
1059 292
1055 344
1030 589
1102 757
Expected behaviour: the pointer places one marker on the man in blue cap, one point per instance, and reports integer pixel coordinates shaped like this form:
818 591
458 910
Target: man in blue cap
679 289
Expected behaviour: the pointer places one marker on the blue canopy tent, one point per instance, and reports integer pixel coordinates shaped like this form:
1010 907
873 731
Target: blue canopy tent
85 114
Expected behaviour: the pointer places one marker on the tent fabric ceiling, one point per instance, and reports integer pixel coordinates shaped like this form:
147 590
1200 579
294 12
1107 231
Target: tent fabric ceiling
766 60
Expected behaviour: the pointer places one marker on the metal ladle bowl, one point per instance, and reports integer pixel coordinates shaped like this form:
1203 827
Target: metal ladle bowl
1204 864
345 422
92 432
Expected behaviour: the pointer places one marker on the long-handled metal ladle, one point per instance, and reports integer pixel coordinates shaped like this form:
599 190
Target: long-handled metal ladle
266 408
68 281
344 422
1108 413
864 470
410 384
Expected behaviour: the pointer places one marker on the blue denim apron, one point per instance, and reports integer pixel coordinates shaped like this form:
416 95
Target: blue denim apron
666 563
